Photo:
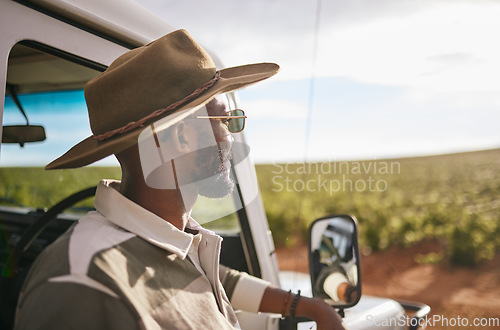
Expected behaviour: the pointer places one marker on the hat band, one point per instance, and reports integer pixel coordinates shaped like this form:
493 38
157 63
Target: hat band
134 124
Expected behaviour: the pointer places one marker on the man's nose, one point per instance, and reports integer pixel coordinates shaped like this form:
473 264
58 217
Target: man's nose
227 143
230 141
224 136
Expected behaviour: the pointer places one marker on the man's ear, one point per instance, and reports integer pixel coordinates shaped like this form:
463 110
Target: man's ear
182 137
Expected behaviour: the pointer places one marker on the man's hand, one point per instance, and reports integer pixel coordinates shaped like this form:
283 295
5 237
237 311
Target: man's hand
347 293
276 301
317 310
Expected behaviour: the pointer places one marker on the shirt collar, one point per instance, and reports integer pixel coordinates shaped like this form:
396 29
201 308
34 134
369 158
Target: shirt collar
124 213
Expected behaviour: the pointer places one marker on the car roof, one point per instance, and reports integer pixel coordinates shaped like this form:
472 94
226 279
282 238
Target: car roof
124 20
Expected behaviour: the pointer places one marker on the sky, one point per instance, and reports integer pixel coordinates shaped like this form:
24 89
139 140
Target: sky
391 78
359 79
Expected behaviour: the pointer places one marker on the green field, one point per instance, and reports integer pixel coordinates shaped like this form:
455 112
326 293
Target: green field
452 198
398 202
35 187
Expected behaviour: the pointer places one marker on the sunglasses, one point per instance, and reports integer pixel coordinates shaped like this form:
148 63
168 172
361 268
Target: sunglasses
235 120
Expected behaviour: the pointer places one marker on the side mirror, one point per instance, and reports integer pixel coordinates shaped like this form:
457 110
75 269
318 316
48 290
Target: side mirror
22 134
334 260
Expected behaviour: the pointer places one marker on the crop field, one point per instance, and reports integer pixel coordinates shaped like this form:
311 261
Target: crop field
454 199
35 187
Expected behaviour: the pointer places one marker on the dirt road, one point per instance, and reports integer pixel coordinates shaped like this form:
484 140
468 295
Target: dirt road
465 292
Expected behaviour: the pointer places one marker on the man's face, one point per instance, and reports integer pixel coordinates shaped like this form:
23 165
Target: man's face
212 174
193 155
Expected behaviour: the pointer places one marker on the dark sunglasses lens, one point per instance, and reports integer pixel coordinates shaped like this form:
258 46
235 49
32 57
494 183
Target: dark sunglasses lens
236 124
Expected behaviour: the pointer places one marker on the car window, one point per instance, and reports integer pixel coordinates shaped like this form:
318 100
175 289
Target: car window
49 91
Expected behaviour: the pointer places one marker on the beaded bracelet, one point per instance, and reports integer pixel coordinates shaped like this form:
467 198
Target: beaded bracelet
294 304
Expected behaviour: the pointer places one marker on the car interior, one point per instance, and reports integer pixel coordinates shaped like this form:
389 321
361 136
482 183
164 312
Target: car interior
26 230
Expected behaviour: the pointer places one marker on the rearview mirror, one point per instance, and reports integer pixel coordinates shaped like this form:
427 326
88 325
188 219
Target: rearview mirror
334 260
22 134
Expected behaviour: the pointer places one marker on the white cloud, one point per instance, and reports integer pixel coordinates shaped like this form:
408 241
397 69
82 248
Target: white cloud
442 45
441 55
448 48
275 108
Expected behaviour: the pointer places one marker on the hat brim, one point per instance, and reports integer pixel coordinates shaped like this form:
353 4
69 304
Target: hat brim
90 150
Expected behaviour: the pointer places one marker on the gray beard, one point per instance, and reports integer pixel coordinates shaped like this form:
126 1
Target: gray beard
214 179
216 186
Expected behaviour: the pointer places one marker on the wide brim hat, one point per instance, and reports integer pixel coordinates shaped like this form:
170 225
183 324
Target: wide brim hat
171 76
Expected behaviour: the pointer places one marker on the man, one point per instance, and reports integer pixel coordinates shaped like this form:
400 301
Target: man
140 261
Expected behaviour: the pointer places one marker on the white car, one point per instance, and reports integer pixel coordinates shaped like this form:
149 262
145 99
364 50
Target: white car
49 50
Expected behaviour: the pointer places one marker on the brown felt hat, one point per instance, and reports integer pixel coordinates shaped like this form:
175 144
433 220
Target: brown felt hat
166 76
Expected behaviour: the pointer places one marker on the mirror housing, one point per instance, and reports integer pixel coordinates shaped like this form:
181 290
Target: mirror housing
22 134
334 260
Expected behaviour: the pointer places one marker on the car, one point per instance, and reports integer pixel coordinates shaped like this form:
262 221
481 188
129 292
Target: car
50 49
